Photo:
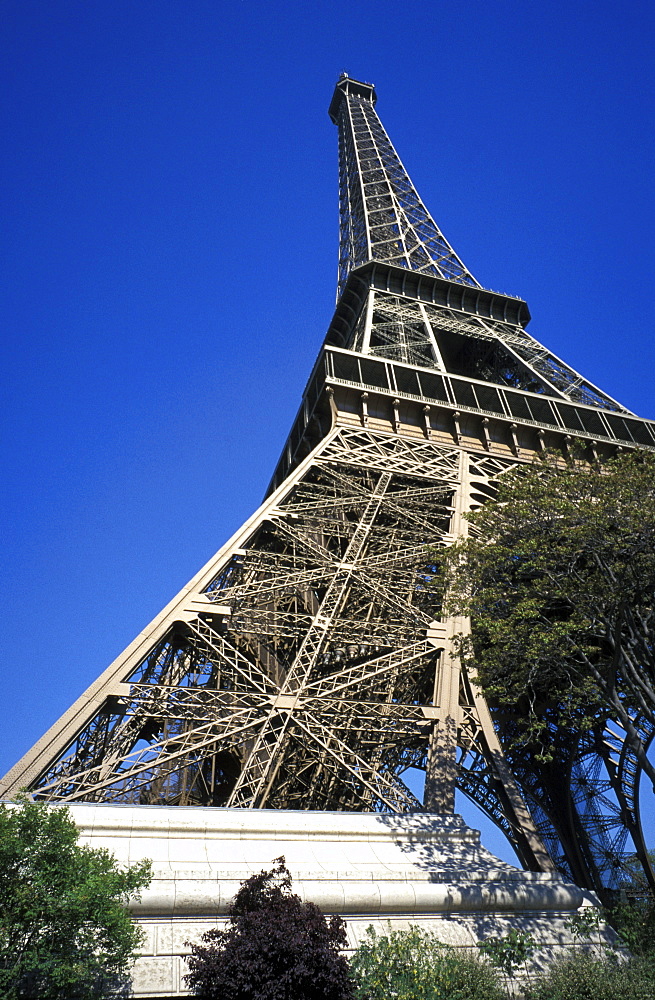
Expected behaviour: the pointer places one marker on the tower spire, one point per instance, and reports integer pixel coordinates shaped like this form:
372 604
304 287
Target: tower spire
383 221
381 214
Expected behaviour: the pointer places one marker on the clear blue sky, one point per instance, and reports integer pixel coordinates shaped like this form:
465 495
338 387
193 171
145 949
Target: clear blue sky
169 206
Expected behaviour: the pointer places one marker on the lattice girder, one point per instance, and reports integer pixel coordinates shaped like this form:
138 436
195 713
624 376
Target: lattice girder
403 329
302 670
301 667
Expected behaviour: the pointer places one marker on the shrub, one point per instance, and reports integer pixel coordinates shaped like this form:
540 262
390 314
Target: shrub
275 947
413 965
510 952
582 977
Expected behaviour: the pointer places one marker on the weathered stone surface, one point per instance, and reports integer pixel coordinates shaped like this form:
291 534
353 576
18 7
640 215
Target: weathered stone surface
386 870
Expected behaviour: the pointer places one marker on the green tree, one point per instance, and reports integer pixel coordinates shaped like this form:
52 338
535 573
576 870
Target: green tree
414 965
558 578
64 931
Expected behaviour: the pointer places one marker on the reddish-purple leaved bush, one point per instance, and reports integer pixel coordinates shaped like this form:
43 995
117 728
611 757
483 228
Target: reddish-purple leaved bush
275 947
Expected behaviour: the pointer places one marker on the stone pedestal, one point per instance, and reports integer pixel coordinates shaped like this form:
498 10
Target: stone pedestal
386 870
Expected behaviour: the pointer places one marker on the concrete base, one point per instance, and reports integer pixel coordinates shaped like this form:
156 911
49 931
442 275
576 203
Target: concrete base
386 870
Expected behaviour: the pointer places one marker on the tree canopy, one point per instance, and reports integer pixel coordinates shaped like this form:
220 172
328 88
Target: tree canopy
558 578
64 931
275 947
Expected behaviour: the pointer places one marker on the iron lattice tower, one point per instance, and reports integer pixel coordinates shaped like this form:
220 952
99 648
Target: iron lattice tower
307 665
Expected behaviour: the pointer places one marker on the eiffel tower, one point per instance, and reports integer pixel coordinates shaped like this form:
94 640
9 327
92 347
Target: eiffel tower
307 665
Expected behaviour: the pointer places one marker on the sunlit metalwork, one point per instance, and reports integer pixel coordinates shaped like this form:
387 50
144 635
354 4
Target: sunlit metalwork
308 664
